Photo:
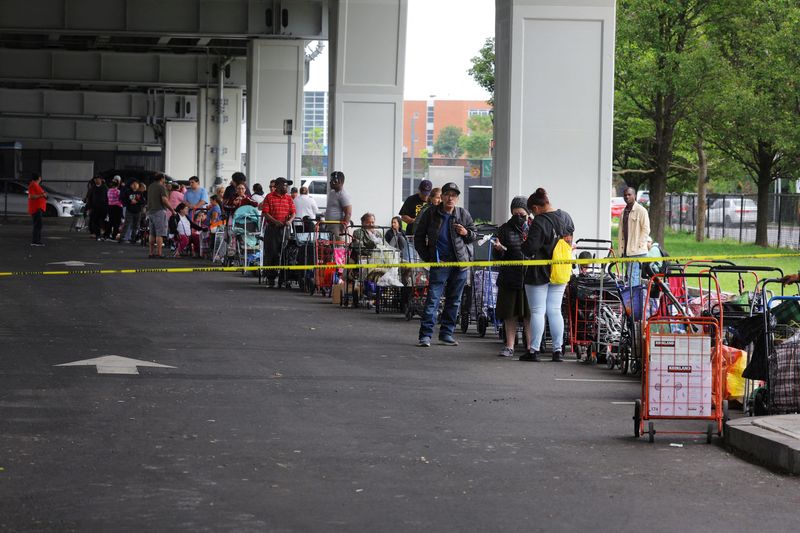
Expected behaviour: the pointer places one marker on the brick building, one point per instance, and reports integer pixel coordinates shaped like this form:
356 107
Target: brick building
429 117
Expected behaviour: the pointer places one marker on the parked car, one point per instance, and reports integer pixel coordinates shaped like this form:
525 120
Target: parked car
643 197
731 211
317 189
617 206
58 204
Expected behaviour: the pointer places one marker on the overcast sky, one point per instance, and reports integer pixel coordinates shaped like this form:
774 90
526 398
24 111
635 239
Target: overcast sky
443 35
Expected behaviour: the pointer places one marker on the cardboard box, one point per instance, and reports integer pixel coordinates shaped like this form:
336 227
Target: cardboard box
336 294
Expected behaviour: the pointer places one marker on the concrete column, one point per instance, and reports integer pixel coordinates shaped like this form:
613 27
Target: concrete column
554 94
208 124
274 94
367 66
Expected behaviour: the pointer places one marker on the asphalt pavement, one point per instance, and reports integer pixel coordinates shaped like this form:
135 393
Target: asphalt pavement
282 412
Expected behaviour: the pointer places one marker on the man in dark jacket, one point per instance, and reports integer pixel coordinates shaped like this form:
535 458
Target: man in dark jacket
442 235
97 205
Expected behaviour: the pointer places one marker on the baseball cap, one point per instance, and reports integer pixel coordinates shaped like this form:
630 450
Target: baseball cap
280 180
425 186
450 186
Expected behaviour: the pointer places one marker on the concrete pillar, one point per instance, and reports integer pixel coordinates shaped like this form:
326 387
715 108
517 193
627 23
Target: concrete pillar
554 93
367 66
275 78
208 124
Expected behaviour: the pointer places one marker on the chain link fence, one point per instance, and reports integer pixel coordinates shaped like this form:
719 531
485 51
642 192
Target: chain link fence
734 216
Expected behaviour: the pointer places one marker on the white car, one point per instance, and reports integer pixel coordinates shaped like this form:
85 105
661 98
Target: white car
732 210
317 189
58 204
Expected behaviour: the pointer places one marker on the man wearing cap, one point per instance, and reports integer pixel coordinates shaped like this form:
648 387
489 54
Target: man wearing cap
339 205
443 235
278 210
413 205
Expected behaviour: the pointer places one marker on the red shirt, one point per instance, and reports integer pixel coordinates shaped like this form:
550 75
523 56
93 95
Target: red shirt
280 206
38 204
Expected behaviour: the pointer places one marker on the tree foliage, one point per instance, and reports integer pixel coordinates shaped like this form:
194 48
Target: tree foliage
479 135
482 70
448 143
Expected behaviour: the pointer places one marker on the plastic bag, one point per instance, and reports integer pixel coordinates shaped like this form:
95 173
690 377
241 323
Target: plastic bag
736 361
390 279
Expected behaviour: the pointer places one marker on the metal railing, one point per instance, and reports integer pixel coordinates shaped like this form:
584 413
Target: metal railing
733 216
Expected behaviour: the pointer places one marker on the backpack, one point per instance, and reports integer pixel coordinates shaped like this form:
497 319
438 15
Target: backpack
562 250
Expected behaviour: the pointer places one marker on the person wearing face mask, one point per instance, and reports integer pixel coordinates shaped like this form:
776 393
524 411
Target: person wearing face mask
512 303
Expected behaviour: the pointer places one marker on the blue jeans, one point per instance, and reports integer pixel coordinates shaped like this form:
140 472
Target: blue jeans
451 281
634 271
546 299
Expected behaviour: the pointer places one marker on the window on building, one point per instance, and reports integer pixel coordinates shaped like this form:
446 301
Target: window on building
481 112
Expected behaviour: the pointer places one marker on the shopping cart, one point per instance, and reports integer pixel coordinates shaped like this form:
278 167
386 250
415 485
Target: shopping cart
330 250
683 365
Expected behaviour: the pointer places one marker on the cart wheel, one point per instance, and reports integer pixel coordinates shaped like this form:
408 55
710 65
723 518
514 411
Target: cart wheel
635 367
464 322
651 432
709 433
577 350
311 288
409 312
482 324
611 361
602 354
637 418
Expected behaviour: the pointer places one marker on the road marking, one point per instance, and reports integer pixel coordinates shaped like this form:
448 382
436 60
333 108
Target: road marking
114 364
599 380
73 263
623 403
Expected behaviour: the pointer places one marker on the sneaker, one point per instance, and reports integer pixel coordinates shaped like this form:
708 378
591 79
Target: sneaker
506 352
37 244
530 356
424 342
557 357
448 341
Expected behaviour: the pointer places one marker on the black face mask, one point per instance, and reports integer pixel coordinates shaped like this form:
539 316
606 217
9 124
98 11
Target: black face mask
518 220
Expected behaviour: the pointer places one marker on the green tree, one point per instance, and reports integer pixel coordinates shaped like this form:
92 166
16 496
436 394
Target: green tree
482 70
662 64
479 135
757 123
314 142
448 142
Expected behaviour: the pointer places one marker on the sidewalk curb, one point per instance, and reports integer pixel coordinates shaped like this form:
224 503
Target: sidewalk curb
769 448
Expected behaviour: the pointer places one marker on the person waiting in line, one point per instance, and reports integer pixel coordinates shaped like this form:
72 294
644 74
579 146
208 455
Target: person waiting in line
237 178
396 238
214 215
133 200
413 205
175 195
634 229
293 193
157 211
184 229
115 207
339 205
240 198
195 196
278 211
306 209
367 237
443 234
97 205
548 226
258 193
37 205
512 302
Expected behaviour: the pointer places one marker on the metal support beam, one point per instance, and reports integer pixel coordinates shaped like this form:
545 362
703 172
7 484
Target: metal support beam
93 69
305 19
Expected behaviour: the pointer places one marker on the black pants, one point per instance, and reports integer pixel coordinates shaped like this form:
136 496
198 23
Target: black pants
273 237
37 226
114 220
97 221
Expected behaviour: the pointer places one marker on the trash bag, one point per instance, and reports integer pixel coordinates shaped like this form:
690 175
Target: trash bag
734 382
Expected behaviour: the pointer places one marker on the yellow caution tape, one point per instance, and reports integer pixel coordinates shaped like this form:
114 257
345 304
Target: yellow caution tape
373 266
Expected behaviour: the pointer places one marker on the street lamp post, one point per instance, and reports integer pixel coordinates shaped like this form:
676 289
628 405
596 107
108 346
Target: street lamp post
414 118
